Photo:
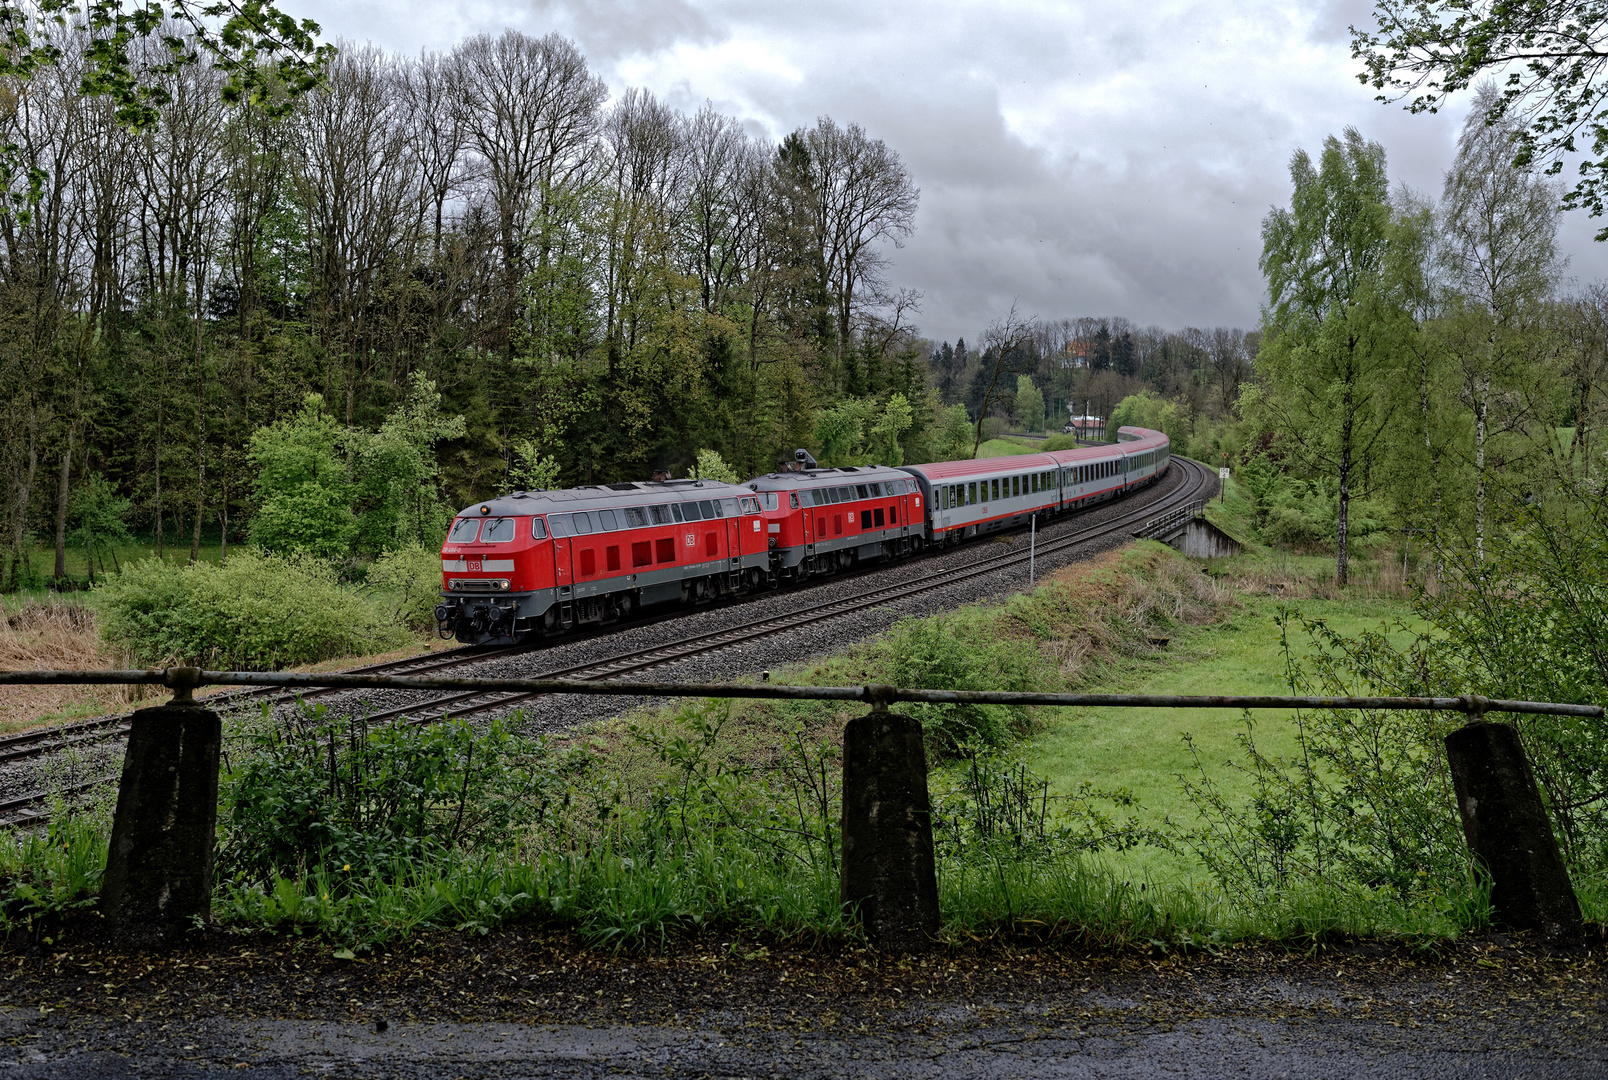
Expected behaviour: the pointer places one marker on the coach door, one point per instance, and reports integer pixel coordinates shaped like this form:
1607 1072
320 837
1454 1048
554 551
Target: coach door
563 578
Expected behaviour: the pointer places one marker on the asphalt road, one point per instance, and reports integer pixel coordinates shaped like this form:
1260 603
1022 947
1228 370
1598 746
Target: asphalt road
525 1004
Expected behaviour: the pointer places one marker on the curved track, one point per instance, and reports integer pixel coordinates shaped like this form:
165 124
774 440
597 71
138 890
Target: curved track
1131 515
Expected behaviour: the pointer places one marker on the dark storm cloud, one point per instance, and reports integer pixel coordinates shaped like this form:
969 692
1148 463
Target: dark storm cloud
1080 158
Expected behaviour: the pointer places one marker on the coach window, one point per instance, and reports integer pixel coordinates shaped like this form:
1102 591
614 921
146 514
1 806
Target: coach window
690 512
706 509
675 512
635 517
464 530
538 529
582 523
607 520
559 524
660 515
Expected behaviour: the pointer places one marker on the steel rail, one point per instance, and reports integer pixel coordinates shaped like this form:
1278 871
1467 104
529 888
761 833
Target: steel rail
185 680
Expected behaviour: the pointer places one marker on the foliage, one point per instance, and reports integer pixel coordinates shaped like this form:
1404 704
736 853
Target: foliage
1333 332
98 520
316 789
711 466
954 653
407 580
1029 404
863 431
51 873
395 476
260 611
1548 56
953 439
301 485
532 469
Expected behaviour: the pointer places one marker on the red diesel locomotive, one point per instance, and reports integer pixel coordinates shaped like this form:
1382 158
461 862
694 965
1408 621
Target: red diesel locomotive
542 562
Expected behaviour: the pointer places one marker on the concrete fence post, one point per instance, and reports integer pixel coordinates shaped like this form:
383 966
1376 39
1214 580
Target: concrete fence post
159 868
889 872
1508 831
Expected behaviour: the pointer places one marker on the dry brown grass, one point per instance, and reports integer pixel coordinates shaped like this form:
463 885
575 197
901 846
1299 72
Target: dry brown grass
55 636
1369 580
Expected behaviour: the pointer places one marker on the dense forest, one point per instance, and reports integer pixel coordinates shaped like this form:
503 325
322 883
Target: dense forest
317 321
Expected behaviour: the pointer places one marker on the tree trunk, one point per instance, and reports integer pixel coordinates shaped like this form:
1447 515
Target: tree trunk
1343 524
19 528
1481 412
61 506
200 476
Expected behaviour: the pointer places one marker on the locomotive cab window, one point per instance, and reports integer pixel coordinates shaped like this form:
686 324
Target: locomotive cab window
464 530
792 500
538 529
750 504
498 530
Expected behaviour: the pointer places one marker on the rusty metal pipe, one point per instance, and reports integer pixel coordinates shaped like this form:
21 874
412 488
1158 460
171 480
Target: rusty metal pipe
184 678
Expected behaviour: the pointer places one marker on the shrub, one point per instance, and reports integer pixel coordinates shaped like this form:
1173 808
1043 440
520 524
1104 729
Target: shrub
952 653
260 611
407 582
333 790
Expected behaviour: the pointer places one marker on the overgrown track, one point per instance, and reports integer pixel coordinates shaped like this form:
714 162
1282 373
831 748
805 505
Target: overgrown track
1134 513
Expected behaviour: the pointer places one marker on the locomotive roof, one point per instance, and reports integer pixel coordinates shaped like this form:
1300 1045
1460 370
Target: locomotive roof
814 478
637 493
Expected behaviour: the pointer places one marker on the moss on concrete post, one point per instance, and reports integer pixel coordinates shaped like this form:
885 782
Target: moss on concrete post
159 869
889 873
1508 831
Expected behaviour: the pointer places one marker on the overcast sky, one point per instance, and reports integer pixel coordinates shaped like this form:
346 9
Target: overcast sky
1081 158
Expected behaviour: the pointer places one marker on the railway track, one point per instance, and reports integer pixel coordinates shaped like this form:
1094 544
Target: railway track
24 808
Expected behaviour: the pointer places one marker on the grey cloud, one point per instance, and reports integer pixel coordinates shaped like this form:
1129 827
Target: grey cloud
609 29
1086 159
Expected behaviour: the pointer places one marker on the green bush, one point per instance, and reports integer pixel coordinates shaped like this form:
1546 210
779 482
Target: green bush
407 582
259 611
952 653
333 790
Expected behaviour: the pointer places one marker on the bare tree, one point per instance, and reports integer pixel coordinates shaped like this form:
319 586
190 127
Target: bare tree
1004 352
863 197
530 111
358 183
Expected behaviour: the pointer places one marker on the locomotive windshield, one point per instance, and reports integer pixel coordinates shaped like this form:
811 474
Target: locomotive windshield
463 531
497 531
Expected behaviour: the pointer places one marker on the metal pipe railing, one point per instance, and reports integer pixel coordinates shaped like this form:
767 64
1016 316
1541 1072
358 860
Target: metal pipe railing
184 680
